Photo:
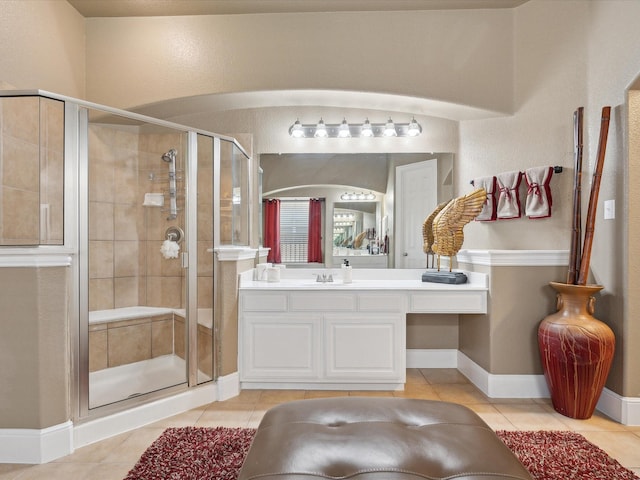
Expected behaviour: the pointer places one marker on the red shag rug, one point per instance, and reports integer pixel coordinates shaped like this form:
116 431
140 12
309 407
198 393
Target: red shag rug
198 453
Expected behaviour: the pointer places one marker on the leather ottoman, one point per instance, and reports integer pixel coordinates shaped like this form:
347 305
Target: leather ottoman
373 438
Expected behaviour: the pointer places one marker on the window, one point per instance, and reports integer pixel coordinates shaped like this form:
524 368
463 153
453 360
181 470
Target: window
294 230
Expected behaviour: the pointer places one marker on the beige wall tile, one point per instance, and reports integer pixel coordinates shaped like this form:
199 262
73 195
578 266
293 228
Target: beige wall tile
126 258
142 290
52 121
125 222
205 222
20 164
126 178
97 350
205 292
101 181
20 226
205 259
100 259
129 344
21 118
100 221
179 336
101 294
164 292
126 292
52 193
161 337
153 258
205 348
170 267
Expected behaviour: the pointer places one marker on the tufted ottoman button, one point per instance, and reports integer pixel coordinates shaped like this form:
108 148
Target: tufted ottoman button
377 439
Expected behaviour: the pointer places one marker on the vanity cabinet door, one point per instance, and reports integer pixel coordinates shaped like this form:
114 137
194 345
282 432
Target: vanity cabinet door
280 347
365 348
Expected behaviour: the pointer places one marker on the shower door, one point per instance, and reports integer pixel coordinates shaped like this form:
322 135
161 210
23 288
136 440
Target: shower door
135 271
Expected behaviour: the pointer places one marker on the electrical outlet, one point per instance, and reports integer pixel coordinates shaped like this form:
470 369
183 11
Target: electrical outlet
609 209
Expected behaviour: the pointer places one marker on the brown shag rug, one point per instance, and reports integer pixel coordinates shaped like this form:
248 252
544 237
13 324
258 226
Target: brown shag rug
199 453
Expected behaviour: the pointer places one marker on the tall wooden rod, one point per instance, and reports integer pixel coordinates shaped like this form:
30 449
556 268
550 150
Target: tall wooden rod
593 198
576 229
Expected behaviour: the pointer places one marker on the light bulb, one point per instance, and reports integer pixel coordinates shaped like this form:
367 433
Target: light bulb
390 129
414 128
296 130
366 130
321 129
344 131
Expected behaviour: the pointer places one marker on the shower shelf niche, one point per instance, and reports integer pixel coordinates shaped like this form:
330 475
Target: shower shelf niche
153 200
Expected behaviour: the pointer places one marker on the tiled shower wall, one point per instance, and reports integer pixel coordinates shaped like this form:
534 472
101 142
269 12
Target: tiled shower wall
125 264
31 171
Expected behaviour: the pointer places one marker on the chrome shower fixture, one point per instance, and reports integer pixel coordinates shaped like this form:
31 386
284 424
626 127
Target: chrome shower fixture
170 156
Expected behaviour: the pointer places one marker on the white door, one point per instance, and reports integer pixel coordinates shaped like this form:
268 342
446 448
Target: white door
416 196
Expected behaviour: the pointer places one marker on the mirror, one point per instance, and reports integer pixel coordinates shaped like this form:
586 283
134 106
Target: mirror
330 175
356 229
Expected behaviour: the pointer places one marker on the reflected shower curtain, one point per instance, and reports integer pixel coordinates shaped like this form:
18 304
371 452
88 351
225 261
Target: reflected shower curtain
272 229
314 241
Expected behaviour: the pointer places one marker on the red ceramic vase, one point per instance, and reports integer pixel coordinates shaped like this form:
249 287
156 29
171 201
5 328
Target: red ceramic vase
576 350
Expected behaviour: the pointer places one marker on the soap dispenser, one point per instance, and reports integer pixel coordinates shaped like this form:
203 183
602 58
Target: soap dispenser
346 272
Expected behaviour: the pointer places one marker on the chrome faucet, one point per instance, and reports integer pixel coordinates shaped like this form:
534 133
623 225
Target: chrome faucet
323 278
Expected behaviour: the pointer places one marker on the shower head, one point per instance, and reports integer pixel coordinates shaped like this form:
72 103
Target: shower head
170 156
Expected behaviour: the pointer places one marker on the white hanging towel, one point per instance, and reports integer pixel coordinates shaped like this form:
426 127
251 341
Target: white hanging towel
509 199
538 204
488 212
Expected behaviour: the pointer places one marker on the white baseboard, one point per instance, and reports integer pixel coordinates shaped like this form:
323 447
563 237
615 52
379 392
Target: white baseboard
625 410
493 386
228 386
25 445
502 386
120 422
432 358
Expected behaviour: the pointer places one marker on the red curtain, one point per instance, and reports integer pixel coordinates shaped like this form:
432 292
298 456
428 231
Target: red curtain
314 242
272 229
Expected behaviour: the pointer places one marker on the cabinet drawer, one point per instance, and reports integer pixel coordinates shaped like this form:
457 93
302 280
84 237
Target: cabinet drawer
376 302
322 302
264 302
448 302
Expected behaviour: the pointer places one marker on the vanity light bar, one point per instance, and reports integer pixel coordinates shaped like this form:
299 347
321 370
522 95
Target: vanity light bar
347 130
358 196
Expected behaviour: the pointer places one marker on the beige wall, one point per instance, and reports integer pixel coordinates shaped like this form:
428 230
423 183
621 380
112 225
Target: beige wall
459 56
505 340
586 57
34 347
226 317
42 46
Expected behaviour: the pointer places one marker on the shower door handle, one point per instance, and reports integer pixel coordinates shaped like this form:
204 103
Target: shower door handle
184 257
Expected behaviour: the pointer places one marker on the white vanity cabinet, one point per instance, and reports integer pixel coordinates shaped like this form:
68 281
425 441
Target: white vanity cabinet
322 339
300 334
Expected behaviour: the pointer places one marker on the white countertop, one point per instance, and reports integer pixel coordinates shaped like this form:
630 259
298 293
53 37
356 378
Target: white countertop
363 279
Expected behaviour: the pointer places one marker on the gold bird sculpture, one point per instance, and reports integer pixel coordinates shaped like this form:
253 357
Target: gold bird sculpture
448 224
427 234
357 243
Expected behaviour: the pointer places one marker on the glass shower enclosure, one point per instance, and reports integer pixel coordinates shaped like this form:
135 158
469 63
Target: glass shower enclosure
137 207
149 222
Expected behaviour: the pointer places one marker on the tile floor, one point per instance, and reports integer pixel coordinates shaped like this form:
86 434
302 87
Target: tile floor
112 459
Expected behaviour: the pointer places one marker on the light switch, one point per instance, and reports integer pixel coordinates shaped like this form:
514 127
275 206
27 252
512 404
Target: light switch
609 209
